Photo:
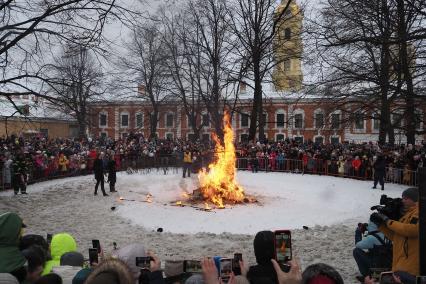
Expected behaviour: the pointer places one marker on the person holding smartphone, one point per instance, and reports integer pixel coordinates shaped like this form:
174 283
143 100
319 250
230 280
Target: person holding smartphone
264 251
404 233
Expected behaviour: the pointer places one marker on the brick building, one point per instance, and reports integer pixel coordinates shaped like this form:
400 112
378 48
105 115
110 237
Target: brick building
293 116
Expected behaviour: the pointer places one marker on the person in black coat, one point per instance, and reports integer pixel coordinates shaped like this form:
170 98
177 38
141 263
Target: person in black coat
98 169
112 173
379 171
264 250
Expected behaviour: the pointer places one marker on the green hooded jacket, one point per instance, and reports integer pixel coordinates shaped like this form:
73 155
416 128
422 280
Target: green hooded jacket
61 244
10 230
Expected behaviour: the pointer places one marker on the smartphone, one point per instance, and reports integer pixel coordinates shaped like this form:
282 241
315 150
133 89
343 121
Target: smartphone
236 263
192 266
93 256
283 252
421 280
225 269
97 245
143 262
49 238
387 278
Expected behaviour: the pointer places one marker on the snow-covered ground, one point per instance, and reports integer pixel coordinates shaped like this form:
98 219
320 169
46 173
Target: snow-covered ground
330 207
287 201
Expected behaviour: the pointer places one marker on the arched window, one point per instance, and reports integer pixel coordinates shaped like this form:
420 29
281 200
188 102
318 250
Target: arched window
299 119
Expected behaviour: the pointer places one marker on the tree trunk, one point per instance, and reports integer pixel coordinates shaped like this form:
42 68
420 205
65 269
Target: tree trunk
410 110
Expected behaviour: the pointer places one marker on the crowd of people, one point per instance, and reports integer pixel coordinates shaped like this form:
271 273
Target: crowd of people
29 258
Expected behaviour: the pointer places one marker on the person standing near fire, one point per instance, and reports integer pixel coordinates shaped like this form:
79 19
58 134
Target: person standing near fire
98 169
187 162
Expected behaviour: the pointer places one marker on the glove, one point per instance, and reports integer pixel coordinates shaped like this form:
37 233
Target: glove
379 218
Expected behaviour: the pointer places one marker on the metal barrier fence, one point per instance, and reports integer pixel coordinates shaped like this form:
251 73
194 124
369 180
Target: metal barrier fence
172 163
324 167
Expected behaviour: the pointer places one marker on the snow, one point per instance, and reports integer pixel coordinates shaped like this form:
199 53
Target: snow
331 207
287 201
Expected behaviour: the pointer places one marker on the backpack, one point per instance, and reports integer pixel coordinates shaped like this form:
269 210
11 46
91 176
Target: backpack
381 255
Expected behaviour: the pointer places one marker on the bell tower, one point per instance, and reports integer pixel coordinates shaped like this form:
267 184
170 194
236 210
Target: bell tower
288 48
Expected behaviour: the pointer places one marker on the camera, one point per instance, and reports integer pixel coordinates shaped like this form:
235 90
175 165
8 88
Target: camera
391 207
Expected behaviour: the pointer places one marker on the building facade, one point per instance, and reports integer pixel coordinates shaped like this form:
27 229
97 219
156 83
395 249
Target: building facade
308 118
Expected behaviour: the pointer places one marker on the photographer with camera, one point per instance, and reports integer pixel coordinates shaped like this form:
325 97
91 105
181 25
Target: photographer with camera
363 251
404 233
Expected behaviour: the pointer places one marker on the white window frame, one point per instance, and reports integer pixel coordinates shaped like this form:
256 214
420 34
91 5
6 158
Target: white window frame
319 111
103 112
296 136
121 119
322 136
421 114
165 120
241 120
202 119
276 136
167 133
136 119
336 136
338 112
373 120
266 120
103 132
302 112
364 123
280 111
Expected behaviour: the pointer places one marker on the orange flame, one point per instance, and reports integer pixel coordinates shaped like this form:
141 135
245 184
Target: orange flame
206 206
218 184
179 203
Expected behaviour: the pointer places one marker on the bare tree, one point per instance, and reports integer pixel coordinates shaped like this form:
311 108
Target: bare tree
182 66
211 45
78 81
145 65
30 31
256 23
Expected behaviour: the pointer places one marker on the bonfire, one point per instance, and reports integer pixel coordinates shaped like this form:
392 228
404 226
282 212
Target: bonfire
217 183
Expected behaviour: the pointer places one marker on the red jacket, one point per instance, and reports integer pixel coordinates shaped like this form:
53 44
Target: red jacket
356 164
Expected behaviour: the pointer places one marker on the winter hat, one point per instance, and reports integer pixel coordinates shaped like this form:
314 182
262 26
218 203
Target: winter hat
72 258
264 247
411 193
106 277
128 255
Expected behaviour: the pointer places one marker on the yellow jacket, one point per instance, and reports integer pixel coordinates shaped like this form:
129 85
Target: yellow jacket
404 235
187 157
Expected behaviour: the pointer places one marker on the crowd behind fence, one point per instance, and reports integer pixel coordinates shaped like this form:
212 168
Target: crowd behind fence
173 162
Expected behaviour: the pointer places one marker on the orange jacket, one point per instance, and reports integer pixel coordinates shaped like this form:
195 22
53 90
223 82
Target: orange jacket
404 235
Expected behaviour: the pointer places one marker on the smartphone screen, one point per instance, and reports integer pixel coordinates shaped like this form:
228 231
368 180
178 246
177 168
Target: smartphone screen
225 269
192 266
283 251
97 245
421 280
236 263
93 256
387 278
143 262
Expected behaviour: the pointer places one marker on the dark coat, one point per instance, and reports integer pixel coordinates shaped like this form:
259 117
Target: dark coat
98 169
380 166
112 172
